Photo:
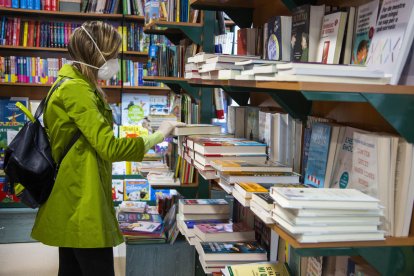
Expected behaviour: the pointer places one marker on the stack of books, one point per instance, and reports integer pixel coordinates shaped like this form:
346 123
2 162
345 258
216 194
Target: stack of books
200 211
243 192
280 269
167 178
327 215
138 226
214 256
204 149
261 205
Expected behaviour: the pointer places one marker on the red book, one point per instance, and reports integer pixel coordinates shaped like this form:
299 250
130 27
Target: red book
53 5
8 29
30 34
47 5
37 34
242 42
2 3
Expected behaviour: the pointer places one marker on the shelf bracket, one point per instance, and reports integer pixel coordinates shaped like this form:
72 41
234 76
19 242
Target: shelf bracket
240 95
330 96
397 110
292 102
192 32
241 17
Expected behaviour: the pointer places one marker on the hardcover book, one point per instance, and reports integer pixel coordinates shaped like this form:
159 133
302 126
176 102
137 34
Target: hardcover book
277 38
136 189
134 108
200 206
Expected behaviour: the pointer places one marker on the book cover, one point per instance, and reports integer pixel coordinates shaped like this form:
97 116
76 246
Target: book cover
262 269
318 155
239 165
331 37
364 31
136 189
232 248
278 38
251 187
251 130
211 228
10 114
390 37
203 202
191 223
117 189
141 226
135 217
135 107
158 105
132 131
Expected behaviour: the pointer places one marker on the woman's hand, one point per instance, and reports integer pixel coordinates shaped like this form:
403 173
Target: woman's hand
167 127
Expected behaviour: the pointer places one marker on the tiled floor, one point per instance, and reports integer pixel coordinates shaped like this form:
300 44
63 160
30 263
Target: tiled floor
36 259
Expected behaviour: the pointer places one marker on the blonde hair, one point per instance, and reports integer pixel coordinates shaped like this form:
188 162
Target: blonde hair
81 48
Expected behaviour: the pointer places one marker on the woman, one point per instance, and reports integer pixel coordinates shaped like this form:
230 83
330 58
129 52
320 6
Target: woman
79 216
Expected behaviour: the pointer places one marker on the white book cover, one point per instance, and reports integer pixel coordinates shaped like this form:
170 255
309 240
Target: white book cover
342 170
332 34
392 38
135 107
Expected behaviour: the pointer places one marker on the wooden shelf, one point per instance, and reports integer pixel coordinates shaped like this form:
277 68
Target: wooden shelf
135 53
134 18
175 31
391 241
163 79
25 48
104 86
79 15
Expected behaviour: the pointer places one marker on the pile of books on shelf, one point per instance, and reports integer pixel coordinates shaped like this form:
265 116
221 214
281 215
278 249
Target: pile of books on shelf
139 223
327 215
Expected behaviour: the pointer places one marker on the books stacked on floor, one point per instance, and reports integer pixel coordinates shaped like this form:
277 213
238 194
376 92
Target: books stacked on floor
327 215
139 226
200 211
262 268
214 256
243 192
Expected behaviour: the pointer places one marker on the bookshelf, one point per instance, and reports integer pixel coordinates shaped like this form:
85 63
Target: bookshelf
372 107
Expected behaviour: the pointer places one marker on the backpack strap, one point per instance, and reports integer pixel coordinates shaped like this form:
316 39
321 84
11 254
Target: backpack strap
43 103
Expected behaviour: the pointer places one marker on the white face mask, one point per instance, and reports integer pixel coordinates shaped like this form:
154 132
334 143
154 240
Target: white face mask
108 69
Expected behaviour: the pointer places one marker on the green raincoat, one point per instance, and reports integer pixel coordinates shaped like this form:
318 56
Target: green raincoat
79 212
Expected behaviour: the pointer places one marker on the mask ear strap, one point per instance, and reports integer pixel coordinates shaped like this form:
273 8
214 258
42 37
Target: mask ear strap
94 43
75 61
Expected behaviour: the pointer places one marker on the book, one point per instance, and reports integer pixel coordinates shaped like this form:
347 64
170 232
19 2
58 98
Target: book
162 178
234 166
246 189
298 198
188 225
261 213
317 212
393 37
184 216
203 206
136 216
229 146
346 53
232 251
338 237
194 129
10 114
263 269
304 229
136 189
306 27
134 107
277 37
251 130
331 37
261 177
117 189
141 226
264 200
230 58
205 160
324 139
229 232
366 18
245 202
133 206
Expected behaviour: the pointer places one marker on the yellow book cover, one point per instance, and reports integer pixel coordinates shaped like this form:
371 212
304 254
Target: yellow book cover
124 39
258 269
177 18
132 131
25 34
252 187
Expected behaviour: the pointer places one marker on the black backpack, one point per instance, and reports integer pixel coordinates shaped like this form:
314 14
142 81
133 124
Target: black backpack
28 159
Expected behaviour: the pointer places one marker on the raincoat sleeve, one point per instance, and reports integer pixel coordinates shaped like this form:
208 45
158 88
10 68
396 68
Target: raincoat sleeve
152 140
82 107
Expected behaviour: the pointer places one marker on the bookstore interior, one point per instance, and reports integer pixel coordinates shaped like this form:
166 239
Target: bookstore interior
292 110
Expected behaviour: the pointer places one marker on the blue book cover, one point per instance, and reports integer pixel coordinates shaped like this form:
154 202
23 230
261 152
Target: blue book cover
136 189
15 4
37 4
274 38
23 4
232 247
30 4
190 223
10 114
306 142
318 155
